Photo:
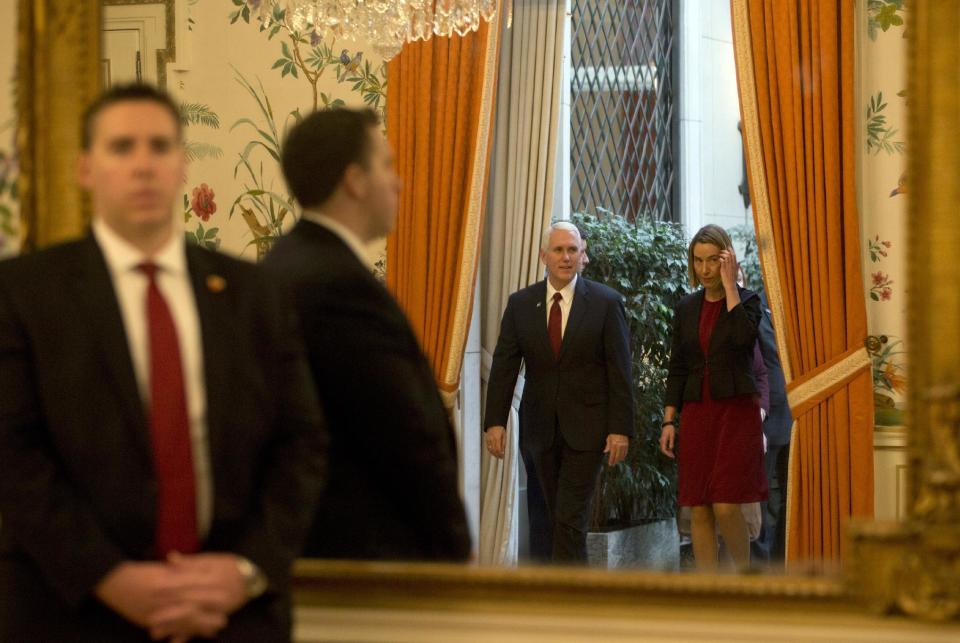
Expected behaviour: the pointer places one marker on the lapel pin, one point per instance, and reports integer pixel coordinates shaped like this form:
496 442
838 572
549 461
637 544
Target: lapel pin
216 283
538 304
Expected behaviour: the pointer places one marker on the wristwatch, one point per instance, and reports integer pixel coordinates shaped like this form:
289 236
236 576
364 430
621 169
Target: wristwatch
672 423
254 580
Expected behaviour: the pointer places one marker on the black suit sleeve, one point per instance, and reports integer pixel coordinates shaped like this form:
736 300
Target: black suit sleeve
38 504
768 347
293 467
507 358
402 427
616 346
679 369
744 320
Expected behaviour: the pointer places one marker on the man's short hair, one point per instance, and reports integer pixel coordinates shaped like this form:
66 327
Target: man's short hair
320 148
126 93
557 225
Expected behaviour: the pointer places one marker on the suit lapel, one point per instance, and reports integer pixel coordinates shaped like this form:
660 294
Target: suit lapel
696 308
94 288
214 313
540 316
579 308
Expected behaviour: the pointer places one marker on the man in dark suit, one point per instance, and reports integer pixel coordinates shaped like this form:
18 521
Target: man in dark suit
159 436
393 489
776 428
577 405
540 531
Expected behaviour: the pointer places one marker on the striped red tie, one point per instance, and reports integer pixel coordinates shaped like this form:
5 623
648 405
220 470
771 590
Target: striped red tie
169 429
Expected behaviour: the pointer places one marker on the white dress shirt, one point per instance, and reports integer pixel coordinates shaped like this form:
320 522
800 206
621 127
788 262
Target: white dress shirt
346 235
567 293
173 281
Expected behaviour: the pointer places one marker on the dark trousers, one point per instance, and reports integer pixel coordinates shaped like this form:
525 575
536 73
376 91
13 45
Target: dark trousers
770 544
568 479
538 518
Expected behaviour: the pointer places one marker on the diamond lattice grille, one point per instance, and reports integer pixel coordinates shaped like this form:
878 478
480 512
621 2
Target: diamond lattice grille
622 107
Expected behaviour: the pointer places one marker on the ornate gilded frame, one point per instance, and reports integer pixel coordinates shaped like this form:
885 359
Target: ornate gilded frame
911 567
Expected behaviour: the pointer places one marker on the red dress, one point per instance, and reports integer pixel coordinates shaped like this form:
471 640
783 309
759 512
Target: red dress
721 441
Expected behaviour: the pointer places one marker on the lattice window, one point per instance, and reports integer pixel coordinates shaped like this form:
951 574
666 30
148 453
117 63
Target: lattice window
622 107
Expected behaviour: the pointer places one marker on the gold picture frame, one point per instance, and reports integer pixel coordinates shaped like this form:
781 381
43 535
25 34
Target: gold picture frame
911 567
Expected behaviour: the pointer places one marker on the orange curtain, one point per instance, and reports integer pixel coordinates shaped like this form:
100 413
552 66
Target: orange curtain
440 101
795 64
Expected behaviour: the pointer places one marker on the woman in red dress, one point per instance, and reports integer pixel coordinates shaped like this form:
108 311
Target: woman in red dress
720 441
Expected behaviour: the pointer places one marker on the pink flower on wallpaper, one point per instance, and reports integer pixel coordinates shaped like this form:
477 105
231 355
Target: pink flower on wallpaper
881 290
878 248
201 200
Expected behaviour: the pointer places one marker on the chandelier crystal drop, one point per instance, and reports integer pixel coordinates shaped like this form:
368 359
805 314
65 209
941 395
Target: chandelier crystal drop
386 24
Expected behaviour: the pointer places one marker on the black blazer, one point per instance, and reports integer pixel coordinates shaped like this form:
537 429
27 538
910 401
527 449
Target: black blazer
77 487
588 392
393 490
779 420
730 358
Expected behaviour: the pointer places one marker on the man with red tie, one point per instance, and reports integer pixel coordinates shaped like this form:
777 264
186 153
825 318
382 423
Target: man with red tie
571 335
160 441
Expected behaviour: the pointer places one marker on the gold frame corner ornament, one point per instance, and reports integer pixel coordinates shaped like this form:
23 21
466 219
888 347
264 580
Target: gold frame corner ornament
911 567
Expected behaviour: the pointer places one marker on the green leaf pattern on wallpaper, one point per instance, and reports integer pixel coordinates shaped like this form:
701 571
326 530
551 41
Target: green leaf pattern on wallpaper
303 56
882 15
306 55
881 135
9 171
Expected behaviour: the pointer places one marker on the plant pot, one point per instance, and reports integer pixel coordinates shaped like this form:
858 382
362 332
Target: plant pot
653 545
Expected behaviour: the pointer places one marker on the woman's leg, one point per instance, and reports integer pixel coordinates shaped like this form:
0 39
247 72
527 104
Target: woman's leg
703 536
733 528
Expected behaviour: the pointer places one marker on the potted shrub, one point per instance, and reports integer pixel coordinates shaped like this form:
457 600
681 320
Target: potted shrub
635 503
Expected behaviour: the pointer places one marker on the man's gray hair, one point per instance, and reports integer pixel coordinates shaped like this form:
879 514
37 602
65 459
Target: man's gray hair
557 225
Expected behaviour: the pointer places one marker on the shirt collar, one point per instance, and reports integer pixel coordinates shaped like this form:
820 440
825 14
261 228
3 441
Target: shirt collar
121 256
566 292
346 235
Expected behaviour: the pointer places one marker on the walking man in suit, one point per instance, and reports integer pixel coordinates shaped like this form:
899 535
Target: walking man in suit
577 405
393 489
159 436
776 428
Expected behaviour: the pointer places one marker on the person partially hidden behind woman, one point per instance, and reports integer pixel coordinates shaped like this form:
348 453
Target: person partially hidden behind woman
711 378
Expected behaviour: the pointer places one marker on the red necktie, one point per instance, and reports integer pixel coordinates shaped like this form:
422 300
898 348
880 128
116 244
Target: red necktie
169 429
555 325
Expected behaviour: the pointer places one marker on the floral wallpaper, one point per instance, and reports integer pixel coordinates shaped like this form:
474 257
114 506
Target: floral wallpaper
883 196
252 75
9 168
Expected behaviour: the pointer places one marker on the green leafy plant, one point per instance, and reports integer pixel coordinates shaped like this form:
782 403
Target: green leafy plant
645 261
880 135
882 15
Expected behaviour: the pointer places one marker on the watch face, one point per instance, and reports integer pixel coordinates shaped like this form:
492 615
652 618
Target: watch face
254 580
257 584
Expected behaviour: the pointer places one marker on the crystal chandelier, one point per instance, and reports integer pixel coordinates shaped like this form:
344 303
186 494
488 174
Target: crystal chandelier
387 24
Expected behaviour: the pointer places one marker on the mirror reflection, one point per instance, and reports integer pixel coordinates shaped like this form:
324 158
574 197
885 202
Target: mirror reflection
648 434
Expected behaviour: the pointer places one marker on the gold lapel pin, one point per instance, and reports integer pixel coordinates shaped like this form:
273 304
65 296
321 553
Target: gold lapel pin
216 283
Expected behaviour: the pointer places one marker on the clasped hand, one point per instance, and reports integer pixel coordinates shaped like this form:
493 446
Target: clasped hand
184 597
